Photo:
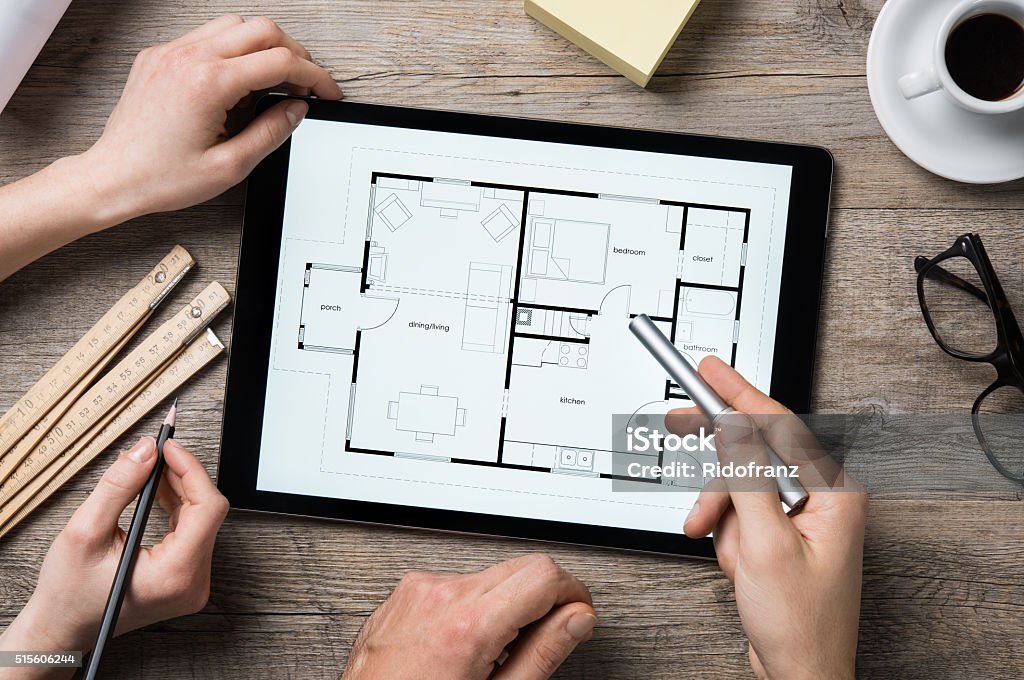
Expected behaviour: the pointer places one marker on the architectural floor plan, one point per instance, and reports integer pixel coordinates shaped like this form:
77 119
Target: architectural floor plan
451 321
483 323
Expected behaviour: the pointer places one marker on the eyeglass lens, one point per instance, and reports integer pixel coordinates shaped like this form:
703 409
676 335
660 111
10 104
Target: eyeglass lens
1000 417
956 302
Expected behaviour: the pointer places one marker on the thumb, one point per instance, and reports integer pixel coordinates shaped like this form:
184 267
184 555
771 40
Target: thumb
117 488
260 137
549 642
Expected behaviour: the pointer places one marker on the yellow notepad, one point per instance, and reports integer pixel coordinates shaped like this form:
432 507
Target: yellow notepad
631 36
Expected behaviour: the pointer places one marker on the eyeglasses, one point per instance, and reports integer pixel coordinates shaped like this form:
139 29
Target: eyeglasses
970 318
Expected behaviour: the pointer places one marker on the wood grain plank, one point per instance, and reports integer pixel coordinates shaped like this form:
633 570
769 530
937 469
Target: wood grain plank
940 581
756 69
944 576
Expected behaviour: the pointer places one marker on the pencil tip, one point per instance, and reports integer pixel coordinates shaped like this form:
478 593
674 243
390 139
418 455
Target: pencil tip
172 414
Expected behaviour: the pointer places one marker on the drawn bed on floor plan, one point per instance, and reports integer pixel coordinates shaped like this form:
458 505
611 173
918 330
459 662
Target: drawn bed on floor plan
483 323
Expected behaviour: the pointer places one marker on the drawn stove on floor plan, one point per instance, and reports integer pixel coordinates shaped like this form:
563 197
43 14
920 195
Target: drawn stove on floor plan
487 324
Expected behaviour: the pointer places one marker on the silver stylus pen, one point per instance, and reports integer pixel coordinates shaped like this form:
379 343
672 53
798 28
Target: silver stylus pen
791 491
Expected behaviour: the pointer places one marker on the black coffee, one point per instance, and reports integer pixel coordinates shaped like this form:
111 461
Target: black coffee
985 56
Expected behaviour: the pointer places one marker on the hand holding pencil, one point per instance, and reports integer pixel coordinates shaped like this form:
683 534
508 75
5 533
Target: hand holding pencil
170 579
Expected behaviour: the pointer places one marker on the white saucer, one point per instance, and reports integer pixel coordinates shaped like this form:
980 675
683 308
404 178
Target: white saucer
931 130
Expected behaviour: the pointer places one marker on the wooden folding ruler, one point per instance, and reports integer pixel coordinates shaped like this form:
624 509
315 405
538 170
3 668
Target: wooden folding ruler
63 383
76 410
188 363
107 395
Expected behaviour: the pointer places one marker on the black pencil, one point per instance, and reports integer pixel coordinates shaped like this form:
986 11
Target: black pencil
132 543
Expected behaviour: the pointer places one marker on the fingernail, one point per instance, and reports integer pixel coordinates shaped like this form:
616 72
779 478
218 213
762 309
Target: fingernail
580 626
693 513
142 451
295 111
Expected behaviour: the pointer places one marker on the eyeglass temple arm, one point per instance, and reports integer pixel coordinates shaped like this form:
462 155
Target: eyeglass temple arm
939 274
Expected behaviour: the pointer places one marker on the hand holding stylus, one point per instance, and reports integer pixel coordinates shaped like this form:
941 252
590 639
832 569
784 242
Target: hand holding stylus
170 579
797 578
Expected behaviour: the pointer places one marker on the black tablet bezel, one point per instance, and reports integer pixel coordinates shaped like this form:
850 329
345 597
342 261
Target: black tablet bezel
255 296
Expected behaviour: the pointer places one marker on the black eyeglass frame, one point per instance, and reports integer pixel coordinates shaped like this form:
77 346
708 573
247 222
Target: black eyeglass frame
1008 355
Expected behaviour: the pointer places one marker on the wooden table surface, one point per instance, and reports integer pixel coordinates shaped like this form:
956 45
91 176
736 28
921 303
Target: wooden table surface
943 574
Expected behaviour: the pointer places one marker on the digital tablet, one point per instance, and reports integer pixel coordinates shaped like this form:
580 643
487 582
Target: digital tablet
432 309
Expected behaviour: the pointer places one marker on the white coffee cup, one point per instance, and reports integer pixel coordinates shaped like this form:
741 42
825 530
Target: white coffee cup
936 76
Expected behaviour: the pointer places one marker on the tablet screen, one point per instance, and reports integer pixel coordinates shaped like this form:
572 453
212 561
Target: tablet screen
451 317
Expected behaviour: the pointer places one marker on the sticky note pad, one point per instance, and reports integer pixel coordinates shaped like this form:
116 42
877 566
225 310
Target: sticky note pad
631 36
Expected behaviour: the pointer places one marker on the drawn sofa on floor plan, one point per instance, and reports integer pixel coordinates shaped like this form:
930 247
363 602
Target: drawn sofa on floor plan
487 324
